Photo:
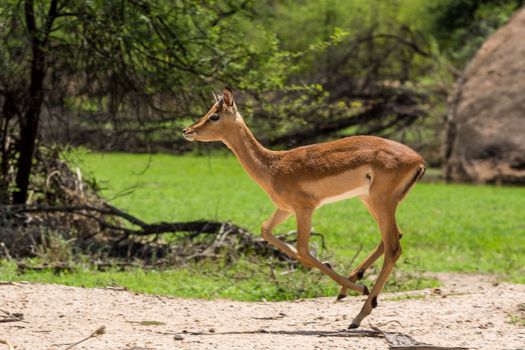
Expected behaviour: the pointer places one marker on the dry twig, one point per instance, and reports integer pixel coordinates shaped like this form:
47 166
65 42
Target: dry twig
12 317
100 330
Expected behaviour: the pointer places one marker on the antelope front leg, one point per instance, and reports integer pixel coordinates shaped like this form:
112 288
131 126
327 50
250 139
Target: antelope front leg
266 231
304 227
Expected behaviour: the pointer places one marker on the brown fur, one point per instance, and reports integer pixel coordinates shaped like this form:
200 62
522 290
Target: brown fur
378 171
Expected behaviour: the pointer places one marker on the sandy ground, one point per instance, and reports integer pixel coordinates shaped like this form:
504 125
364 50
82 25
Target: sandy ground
466 312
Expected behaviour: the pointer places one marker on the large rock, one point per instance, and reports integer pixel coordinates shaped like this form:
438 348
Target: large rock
485 140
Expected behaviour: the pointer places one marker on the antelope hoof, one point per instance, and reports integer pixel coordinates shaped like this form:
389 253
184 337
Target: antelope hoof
353 325
374 302
357 276
327 264
341 296
365 291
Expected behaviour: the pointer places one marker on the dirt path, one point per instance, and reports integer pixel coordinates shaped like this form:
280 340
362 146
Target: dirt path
472 315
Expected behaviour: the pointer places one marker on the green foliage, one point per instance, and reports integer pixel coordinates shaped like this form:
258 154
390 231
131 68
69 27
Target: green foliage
360 54
163 46
461 26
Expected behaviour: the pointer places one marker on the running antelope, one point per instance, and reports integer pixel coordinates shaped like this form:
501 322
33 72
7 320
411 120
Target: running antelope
378 171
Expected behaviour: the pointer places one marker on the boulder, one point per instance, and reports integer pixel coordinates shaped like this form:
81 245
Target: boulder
485 129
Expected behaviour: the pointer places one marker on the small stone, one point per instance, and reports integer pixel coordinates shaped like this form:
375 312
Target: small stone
211 330
178 337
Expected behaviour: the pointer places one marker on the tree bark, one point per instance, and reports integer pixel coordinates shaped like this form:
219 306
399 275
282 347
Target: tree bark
30 120
7 114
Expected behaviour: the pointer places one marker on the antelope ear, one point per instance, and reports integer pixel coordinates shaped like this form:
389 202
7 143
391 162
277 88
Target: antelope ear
227 96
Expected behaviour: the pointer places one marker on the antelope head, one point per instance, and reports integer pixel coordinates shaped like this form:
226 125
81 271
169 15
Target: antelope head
219 120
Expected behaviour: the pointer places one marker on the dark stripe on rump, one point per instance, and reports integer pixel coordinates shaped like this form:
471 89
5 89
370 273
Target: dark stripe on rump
419 173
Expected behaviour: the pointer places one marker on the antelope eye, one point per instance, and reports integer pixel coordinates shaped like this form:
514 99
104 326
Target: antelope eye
215 117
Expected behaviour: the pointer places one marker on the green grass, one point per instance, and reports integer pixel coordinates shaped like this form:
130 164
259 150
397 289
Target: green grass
247 280
407 297
463 228
466 228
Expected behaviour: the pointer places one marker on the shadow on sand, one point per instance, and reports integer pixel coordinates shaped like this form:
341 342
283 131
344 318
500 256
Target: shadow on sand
395 340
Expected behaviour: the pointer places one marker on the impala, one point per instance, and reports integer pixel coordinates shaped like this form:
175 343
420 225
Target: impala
298 181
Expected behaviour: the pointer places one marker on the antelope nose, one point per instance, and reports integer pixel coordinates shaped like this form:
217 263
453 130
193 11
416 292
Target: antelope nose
185 130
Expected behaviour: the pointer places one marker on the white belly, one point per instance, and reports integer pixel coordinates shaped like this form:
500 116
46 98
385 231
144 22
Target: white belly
359 191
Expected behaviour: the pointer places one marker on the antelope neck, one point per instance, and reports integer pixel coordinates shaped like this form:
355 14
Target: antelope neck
254 158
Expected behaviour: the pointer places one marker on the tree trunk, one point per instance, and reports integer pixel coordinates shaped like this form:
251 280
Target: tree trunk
28 134
7 114
30 120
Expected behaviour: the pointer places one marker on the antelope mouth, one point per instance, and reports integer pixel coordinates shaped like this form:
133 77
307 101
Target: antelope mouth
190 136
